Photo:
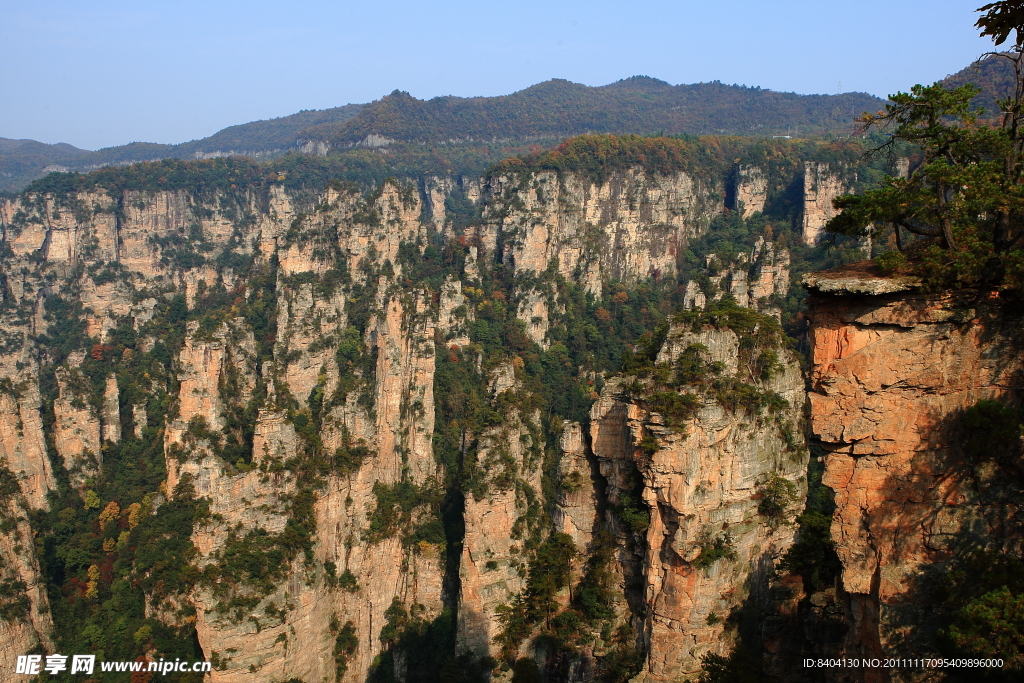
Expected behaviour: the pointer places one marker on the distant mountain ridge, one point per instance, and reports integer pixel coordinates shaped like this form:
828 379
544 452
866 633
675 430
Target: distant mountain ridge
548 111
21 161
561 109
993 76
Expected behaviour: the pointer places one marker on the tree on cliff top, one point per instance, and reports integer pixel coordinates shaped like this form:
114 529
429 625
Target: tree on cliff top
963 204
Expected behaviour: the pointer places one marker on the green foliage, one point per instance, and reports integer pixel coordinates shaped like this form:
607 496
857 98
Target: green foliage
741 666
393 512
256 561
962 204
548 574
357 363
9 486
197 432
974 572
625 659
439 258
891 262
66 327
240 178
720 547
777 495
813 556
760 339
345 645
557 108
347 581
442 136
757 331
427 647
525 670
593 596
991 626
463 410
397 618
992 431
14 602
598 156
691 368
634 513
460 211
676 408
149 559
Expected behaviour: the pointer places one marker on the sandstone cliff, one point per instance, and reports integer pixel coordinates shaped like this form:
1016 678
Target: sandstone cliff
711 541
339 434
630 226
822 184
894 374
751 190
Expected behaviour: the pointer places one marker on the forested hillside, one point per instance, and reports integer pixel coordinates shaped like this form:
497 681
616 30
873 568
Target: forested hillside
558 109
22 161
993 75
468 134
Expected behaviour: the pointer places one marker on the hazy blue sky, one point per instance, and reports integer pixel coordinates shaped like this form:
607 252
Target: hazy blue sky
100 73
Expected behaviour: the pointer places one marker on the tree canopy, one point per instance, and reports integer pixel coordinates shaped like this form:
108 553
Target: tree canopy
958 216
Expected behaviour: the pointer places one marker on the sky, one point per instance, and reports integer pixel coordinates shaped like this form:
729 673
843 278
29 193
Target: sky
101 73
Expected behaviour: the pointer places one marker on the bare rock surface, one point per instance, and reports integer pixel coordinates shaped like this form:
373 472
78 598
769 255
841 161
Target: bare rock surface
891 377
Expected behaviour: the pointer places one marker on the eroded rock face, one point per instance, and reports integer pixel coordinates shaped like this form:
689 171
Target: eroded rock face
751 190
891 378
23 444
757 280
26 624
700 486
307 366
500 514
630 226
822 184
27 478
76 429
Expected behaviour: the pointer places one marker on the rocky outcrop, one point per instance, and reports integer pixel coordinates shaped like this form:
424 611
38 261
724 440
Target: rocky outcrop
629 226
822 184
76 429
26 478
893 373
757 280
750 190
577 511
702 482
500 516
25 622
111 411
23 445
299 642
